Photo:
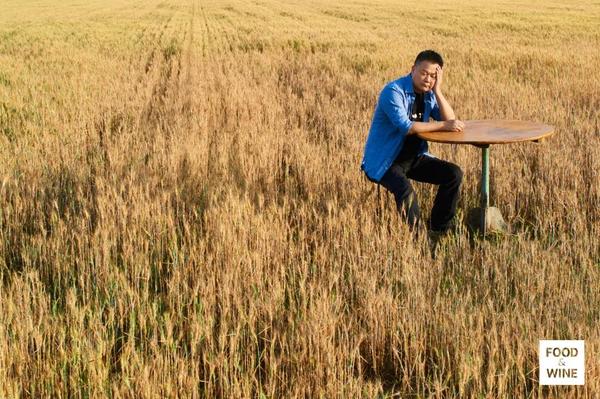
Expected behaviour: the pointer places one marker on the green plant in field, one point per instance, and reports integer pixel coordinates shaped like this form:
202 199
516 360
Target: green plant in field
173 49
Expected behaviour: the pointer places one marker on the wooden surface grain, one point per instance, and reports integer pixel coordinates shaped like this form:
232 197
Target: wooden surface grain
492 132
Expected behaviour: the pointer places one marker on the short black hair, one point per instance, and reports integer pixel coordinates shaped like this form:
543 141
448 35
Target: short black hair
431 56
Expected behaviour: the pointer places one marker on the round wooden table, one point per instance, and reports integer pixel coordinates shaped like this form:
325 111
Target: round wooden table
483 133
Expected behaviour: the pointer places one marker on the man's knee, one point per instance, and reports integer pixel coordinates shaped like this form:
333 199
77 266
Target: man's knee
455 174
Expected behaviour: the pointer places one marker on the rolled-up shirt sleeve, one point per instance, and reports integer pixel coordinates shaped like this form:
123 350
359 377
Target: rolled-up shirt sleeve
392 103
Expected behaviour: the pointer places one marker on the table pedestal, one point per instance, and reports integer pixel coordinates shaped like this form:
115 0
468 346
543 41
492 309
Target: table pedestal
485 186
489 218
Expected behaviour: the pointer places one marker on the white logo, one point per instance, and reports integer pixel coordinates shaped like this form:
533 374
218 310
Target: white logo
562 362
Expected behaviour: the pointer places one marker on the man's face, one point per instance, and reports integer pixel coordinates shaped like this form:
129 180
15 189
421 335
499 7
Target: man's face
423 76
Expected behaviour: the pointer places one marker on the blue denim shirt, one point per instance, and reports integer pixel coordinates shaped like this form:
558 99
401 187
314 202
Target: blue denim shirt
391 123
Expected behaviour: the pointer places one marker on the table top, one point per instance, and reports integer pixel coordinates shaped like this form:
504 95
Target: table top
492 132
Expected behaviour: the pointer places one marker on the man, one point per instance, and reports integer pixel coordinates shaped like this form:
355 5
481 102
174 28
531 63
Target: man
394 154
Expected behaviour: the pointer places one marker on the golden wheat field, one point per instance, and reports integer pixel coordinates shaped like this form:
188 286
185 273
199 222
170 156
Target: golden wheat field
182 212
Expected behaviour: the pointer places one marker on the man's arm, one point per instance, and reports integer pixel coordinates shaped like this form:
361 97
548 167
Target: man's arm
446 126
446 111
392 103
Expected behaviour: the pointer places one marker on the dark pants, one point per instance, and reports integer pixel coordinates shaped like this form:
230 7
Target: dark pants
428 170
